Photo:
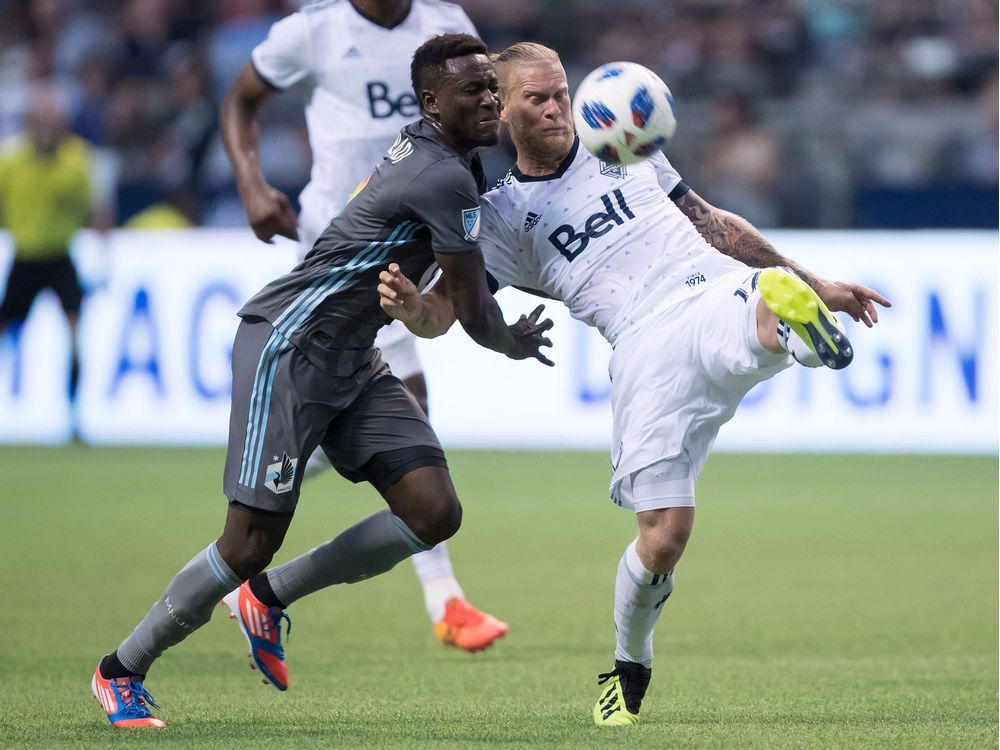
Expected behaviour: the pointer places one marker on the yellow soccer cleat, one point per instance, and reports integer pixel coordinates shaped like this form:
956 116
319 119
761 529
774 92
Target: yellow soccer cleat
798 305
625 687
465 627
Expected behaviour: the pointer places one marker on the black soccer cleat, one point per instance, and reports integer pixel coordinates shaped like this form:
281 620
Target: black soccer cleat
619 702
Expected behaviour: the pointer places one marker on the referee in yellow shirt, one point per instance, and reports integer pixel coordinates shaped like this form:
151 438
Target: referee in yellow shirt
45 197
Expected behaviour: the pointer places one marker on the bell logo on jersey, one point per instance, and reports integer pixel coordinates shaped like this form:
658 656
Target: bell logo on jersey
571 243
381 104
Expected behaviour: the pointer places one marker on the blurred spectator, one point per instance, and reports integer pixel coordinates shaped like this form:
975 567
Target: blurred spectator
741 172
90 120
177 210
862 97
45 198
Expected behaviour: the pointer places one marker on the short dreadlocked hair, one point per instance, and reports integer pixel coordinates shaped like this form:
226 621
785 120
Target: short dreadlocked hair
430 57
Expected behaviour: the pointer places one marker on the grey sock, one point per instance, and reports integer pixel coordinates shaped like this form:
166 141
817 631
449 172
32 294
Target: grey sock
185 606
367 549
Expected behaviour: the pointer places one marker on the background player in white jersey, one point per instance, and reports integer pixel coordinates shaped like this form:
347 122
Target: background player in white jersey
356 56
668 280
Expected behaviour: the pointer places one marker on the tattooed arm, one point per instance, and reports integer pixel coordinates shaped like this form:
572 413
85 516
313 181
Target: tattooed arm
738 238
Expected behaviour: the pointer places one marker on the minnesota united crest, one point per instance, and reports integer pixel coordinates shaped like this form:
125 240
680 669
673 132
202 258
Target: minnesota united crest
280 476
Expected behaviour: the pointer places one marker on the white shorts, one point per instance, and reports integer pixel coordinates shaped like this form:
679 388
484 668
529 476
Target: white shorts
399 350
675 381
668 483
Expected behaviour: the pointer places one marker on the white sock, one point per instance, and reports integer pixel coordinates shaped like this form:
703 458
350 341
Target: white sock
639 598
436 576
317 464
794 345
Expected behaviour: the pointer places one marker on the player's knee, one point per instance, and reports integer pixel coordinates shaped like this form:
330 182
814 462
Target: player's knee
665 543
251 555
438 520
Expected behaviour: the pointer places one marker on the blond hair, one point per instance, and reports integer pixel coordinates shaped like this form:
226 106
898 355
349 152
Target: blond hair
522 52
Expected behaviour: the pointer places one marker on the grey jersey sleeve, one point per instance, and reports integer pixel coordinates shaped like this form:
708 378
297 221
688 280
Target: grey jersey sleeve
444 197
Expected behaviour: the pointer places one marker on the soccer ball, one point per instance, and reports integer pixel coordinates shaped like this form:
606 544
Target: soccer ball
623 113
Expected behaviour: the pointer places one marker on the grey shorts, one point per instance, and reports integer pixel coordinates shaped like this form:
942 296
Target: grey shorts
283 407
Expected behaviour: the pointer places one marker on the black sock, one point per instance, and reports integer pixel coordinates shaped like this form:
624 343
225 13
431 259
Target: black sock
261 588
111 668
74 377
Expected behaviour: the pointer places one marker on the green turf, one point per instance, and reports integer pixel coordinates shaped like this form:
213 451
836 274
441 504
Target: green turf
823 602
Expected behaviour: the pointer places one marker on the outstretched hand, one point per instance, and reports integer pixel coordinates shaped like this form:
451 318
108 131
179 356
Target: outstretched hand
529 338
853 299
398 296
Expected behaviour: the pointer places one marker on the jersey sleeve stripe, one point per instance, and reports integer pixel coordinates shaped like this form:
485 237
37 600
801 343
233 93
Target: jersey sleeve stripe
680 189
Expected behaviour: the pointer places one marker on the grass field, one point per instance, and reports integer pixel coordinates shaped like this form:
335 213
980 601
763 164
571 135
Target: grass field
823 602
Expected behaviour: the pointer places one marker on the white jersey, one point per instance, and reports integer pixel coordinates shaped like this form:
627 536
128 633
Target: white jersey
605 239
361 94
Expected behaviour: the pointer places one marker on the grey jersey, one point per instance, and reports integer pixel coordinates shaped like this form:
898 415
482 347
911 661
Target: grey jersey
421 199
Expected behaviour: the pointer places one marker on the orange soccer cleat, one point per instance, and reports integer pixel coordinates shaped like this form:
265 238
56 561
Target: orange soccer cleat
465 627
125 701
262 627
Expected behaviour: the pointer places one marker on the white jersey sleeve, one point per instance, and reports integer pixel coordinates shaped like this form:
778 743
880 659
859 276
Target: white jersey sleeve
499 244
285 57
465 22
666 175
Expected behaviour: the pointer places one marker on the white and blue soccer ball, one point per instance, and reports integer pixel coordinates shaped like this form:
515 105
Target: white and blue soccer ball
623 113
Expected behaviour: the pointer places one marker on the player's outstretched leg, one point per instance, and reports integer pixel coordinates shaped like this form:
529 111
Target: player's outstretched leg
456 622
245 547
423 510
797 304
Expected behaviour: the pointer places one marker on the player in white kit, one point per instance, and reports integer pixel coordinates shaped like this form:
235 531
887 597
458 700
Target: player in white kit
672 284
355 55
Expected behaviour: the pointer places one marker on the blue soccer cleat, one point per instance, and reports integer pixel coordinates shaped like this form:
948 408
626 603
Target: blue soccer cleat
125 701
262 627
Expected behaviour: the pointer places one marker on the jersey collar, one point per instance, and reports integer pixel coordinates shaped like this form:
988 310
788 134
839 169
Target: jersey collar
423 129
563 166
376 24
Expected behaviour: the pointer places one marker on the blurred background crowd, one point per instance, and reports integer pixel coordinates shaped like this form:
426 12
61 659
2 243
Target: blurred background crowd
794 113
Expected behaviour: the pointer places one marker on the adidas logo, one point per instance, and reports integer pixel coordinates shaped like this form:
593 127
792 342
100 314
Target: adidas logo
402 148
530 220
608 701
352 52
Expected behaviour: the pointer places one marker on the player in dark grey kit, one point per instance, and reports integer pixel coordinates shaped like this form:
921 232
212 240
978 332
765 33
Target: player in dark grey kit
305 373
